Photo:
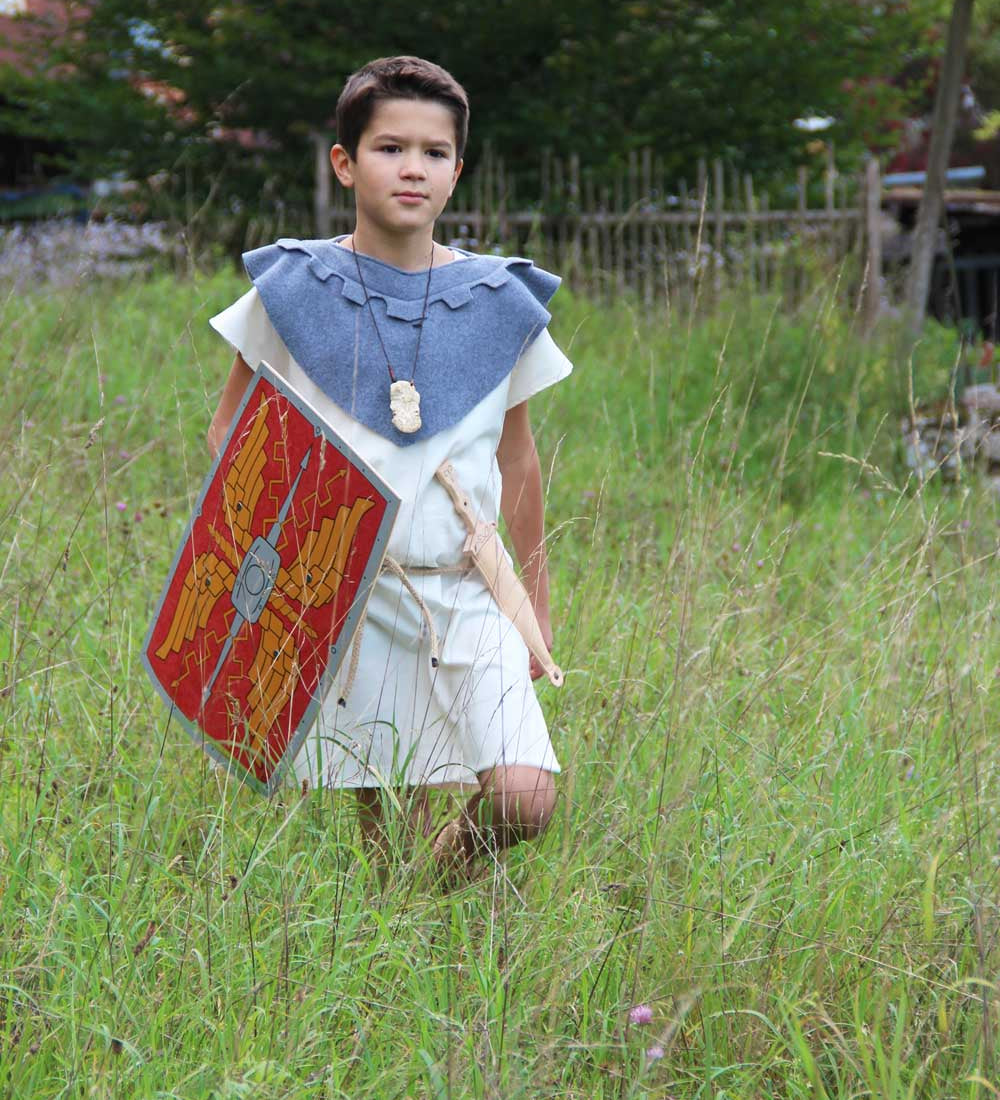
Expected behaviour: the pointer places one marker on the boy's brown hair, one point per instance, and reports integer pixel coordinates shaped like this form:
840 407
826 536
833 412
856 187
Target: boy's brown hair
398 78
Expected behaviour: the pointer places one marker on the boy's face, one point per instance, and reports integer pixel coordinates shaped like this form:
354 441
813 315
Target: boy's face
406 168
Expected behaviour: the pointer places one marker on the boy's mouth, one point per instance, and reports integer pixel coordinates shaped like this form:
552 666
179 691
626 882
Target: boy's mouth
413 196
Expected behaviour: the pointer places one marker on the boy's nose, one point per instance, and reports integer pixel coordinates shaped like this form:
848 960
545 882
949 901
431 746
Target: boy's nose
412 167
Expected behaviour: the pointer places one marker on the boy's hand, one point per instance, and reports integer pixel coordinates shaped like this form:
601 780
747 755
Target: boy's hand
537 672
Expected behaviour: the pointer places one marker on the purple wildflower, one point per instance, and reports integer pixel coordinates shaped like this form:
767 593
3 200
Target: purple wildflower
640 1014
120 399
120 505
654 1053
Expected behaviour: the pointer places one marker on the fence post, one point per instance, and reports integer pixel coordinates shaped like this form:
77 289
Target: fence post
592 264
767 266
503 230
750 245
871 221
645 258
799 271
322 185
607 265
829 179
634 272
484 177
559 226
618 236
845 240
718 185
702 177
574 209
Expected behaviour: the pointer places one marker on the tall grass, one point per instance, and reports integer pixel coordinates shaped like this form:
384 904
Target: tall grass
777 823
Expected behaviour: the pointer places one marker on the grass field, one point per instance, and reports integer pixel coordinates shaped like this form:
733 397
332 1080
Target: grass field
777 830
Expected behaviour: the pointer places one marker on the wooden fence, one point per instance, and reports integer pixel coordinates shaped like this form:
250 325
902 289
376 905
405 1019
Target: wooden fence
665 245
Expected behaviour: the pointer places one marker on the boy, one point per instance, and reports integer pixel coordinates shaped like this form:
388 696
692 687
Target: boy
417 354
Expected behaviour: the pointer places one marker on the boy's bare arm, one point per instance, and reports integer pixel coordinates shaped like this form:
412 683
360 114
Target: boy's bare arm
240 376
523 508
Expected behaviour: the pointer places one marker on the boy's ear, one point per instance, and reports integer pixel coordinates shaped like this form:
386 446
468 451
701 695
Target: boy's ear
454 179
343 166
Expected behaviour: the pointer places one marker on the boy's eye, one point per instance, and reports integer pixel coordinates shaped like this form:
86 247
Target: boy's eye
389 148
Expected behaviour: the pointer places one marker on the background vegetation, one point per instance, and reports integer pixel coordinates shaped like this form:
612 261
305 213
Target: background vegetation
211 107
773 867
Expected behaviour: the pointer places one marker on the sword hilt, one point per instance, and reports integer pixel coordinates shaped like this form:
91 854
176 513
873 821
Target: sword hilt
463 505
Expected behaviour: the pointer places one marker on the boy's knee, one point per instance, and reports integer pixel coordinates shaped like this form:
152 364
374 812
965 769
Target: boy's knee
541 807
524 801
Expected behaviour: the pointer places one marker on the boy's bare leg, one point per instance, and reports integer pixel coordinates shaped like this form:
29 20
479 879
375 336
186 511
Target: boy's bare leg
376 835
418 815
512 804
371 821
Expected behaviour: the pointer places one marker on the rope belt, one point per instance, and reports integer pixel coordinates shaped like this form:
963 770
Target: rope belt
390 565
485 553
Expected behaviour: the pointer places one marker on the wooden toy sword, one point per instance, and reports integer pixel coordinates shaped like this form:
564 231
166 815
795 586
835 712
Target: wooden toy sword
486 550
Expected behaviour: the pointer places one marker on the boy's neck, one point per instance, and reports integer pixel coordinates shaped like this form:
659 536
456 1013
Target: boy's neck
411 252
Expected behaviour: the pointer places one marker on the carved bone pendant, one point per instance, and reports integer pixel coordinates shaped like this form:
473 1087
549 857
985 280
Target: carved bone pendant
404 401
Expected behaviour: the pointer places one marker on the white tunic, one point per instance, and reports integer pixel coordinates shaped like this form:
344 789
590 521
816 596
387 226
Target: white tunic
403 722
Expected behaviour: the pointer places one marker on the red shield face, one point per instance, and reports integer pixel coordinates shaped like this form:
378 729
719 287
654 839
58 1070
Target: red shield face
269 582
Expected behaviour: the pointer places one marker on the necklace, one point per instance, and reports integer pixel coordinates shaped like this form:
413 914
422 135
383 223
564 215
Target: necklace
404 400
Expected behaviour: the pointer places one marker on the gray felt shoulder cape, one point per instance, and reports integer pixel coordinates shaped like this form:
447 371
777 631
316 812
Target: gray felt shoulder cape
482 313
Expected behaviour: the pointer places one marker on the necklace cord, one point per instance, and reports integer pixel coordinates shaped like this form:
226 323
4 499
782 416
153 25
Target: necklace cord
371 312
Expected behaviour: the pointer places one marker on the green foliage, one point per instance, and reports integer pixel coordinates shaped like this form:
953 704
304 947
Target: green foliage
214 104
984 52
990 127
727 79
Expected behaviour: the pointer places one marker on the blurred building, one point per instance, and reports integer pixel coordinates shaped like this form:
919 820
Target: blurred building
965 284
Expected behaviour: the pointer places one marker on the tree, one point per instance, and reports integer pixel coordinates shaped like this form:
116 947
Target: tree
928 217
728 79
212 105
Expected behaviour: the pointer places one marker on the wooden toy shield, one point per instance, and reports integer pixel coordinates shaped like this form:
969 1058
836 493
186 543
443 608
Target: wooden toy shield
269 582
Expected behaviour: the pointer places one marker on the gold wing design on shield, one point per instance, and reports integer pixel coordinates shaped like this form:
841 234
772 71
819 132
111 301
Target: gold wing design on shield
314 577
207 579
273 674
244 483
